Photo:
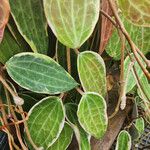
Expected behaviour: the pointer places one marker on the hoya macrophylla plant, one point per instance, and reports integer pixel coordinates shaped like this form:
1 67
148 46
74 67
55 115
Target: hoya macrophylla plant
123 141
136 11
39 73
92 72
92 114
31 23
72 21
4 15
46 121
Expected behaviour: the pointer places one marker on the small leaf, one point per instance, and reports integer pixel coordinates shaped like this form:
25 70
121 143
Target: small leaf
64 139
46 121
140 125
137 12
123 141
39 73
74 21
82 137
31 23
92 72
92 114
131 80
4 15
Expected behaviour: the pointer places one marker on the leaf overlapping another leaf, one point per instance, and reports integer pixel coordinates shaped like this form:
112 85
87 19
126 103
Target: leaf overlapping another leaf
92 114
46 121
64 139
72 21
31 23
39 73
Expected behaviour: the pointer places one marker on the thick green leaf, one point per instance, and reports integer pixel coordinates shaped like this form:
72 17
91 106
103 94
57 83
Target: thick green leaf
140 125
82 137
123 141
131 82
31 23
72 21
46 121
136 11
64 139
92 72
39 73
92 114
146 87
139 35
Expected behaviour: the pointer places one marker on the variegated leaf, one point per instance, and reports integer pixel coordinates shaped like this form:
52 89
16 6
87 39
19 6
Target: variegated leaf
92 114
72 21
92 72
46 121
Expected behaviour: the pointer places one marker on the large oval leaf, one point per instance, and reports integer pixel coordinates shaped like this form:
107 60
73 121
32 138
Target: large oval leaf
31 23
72 21
64 139
92 72
136 11
123 141
131 82
140 125
39 73
82 137
92 114
46 121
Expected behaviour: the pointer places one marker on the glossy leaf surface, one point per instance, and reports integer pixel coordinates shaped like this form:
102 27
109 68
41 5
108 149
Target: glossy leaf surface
92 114
72 21
31 23
39 73
46 121
92 72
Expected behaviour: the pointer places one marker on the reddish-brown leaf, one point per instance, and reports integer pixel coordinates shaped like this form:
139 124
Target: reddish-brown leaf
106 26
4 15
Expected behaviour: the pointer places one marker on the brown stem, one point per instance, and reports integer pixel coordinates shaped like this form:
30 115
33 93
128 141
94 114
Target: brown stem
68 60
